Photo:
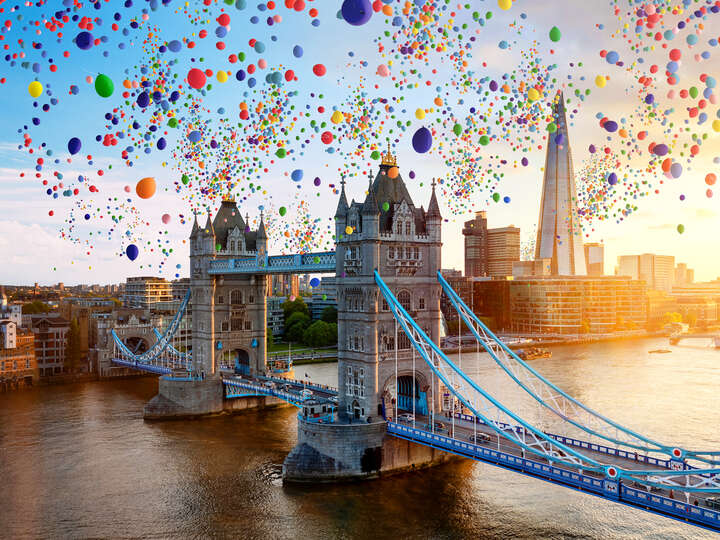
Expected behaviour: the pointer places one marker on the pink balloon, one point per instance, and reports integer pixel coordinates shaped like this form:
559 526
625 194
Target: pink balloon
166 218
262 63
383 70
127 189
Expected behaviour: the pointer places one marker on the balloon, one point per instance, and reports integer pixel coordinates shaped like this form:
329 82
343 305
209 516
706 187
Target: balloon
314 282
196 78
676 170
194 136
319 70
282 211
393 172
385 206
326 137
600 81
165 218
660 149
132 252
419 114
383 70
555 34
74 145
457 129
505 4
356 12
35 89
710 179
104 86
336 117
222 76
84 40
496 197
143 99
348 230
297 175
297 51
145 188
681 228
422 140
611 126
533 94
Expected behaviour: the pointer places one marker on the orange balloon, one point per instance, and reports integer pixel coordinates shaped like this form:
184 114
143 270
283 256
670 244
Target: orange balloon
145 188
393 172
710 179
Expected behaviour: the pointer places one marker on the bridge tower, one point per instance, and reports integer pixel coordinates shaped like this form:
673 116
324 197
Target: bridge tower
228 316
389 233
403 242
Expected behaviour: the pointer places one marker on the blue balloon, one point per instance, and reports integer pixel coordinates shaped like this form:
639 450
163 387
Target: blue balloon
132 252
422 140
143 100
612 57
74 145
297 175
356 12
161 143
175 45
314 282
297 51
84 40
194 136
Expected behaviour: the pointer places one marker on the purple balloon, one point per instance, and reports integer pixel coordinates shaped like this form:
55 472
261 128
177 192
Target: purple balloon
132 252
422 140
74 145
356 12
611 126
660 149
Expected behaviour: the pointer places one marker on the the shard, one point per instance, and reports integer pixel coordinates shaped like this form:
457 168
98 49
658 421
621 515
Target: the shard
559 235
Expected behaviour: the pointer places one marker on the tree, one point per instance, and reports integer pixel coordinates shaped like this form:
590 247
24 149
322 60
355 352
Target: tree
690 318
270 337
36 306
672 317
295 326
72 347
329 314
294 306
320 334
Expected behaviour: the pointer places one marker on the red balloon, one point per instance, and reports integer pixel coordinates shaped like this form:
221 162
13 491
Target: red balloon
196 78
326 137
289 75
224 19
319 70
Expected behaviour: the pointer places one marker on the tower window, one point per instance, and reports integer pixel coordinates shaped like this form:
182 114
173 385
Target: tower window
421 303
236 297
407 227
404 299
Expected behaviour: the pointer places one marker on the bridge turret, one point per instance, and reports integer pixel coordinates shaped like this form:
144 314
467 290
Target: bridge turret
340 224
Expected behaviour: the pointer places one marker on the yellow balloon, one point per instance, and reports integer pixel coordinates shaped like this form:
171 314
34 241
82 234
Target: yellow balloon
222 76
716 125
505 4
600 81
419 114
533 94
336 117
348 230
35 89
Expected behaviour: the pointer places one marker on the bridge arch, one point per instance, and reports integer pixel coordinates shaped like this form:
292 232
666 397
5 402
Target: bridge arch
409 393
136 344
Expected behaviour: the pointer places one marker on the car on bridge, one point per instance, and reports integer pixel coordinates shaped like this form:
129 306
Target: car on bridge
479 438
406 417
306 394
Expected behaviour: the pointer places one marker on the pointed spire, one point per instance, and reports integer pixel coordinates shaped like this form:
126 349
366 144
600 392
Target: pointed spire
261 234
370 206
342 206
209 227
196 227
433 208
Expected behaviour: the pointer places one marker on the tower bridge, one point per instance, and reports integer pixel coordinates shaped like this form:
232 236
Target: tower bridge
387 413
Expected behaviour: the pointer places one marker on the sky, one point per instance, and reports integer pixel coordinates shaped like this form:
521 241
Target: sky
65 247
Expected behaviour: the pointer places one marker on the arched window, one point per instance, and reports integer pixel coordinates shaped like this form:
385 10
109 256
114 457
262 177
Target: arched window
398 228
404 299
236 297
407 228
232 245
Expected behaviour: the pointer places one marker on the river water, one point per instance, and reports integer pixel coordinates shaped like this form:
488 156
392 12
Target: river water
78 461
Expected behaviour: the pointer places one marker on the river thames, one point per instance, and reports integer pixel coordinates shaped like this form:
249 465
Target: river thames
78 461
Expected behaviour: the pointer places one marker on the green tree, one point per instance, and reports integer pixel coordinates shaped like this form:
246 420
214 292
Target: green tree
270 337
329 314
36 306
672 317
72 347
320 334
295 326
690 318
295 306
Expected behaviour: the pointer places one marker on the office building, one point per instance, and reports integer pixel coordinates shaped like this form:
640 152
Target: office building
559 236
537 267
657 271
146 292
50 331
475 233
595 259
503 249
683 275
18 365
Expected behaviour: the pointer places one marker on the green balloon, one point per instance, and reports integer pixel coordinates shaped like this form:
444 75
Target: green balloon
693 92
386 206
484 140
172 122
552 128
375 155
185 179
681 228
457 129
555 34
496 197
104 86
282 211
281 153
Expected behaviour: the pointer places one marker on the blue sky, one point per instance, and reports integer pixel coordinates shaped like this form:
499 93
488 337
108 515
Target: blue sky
30 244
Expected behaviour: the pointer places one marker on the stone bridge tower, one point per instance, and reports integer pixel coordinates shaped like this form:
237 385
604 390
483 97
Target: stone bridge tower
403 242
229 311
